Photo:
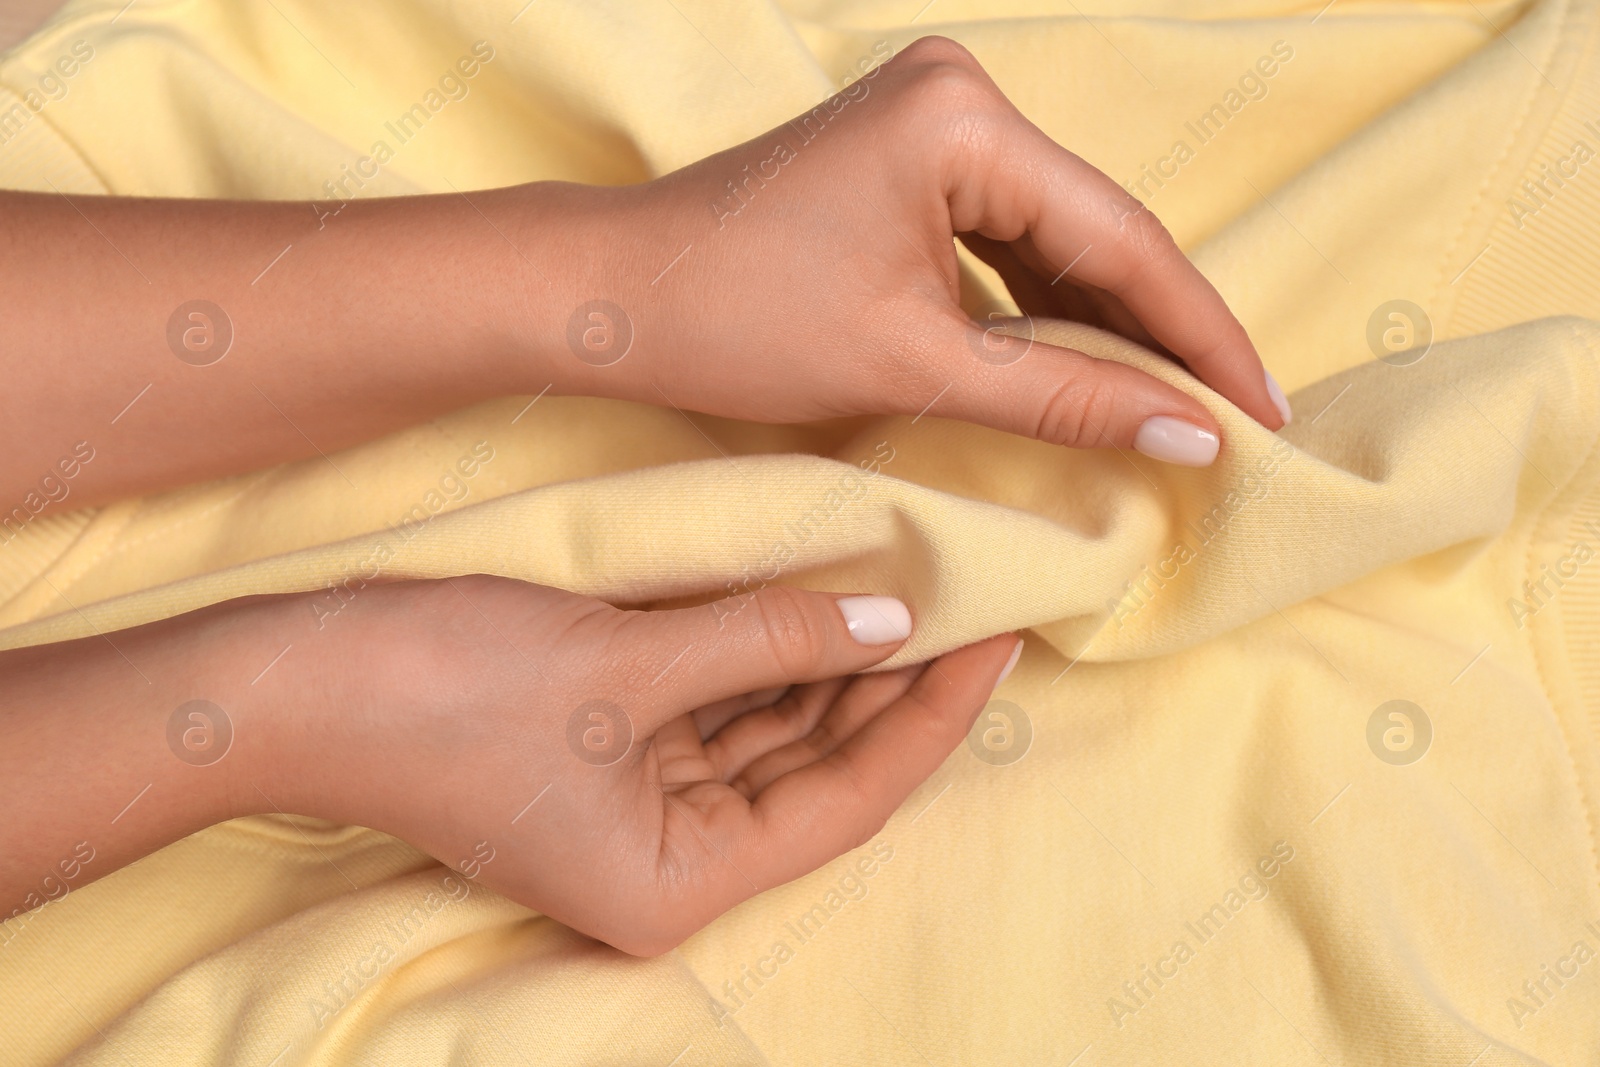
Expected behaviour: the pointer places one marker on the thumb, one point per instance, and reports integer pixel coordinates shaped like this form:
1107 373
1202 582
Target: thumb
775 637
1066 397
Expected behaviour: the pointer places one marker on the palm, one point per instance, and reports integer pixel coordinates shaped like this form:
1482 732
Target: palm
714 767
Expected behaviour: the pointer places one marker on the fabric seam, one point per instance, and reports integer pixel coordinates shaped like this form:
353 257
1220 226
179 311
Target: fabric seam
1491 175
1541 522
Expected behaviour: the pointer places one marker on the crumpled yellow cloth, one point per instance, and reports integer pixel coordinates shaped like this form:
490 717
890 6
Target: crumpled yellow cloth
1195 826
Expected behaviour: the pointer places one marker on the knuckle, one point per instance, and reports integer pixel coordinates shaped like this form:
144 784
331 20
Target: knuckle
823 739
871 826
1076 412
794 717
945 78
615 639
857 794
1147 241
796 638
931 726
934 49
647 929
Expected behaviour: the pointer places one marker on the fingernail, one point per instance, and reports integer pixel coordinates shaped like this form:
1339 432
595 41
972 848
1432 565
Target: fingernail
1275 391
1005 672
1174 441
875 620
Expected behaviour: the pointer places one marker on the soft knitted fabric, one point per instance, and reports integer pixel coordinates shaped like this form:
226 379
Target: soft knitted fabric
1195 826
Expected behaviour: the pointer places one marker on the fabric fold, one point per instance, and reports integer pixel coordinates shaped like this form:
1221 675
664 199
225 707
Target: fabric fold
1218 841
1129 559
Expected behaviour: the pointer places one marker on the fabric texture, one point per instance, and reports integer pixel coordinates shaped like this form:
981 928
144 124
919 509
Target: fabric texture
1211 848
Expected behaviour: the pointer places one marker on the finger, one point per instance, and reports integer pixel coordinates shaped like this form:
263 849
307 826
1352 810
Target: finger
751 736
1067 397
810 815
1020 267
680 754
1016 181
1033 294
1091 229
834 724
776 636
713 717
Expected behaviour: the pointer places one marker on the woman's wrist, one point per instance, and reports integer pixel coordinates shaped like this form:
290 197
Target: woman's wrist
576 259
383 704
318 732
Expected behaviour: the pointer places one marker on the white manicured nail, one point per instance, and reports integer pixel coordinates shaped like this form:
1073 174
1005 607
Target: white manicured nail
1175 441
875 620
1005 672
1276 392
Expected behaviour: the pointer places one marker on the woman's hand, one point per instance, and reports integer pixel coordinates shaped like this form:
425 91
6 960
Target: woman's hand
811 272
632 774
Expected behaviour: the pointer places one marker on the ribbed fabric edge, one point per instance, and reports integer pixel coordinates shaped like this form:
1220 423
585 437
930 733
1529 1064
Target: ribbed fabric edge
1524 231
1580 604
1563 642
40 544
1545 266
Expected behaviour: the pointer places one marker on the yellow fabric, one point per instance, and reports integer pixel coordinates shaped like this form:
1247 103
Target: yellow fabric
1199 703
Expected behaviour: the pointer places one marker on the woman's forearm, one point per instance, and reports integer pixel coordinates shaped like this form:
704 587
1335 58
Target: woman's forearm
154 343
109 751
